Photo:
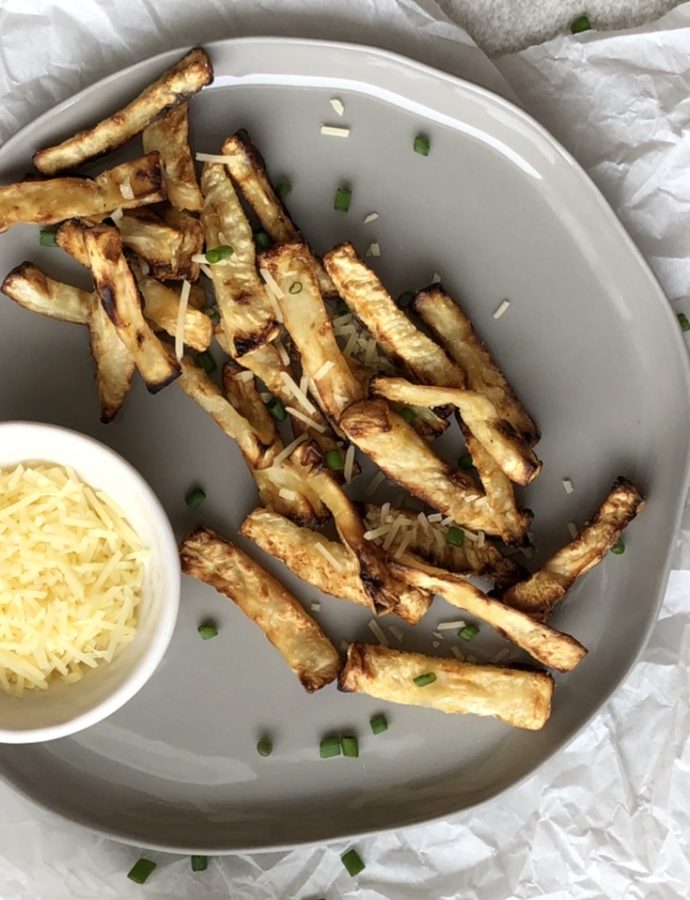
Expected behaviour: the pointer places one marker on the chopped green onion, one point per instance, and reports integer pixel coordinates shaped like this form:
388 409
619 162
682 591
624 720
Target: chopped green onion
199 863
213 313
262 240
580 24
195 497
422 145
264 747
334 460
425 679
207 630
47 238
468 632
683 322
141 870
295 288
283 189
353 862
329 746
207 362
405 299
216 254
619 547
455 536
349 746
343 196
465 461
378 723
408 414
277 410
341 308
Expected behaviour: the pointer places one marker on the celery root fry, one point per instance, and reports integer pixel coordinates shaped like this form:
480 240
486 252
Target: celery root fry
31 288
297 637
517 697
169 135
176 85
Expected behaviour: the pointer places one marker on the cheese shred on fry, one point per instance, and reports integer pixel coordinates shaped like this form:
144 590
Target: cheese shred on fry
71 573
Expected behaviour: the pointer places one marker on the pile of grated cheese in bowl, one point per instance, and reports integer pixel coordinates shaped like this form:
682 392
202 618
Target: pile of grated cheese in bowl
71 575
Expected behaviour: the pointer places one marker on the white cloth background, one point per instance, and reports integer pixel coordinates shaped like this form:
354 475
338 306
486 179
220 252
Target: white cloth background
609 816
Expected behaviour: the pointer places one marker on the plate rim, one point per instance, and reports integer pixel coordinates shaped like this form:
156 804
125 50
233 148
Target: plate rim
652 286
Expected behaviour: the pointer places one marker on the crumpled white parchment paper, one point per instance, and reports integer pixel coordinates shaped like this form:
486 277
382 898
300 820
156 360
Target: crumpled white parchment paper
609 816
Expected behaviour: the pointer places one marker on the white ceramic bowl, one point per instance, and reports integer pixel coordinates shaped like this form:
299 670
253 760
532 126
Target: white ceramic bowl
63 709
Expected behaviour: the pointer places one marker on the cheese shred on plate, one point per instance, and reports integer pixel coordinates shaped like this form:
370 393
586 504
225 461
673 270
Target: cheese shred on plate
71 573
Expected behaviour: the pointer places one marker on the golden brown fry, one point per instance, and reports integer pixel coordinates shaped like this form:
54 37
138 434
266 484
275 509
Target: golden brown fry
161 245
70 237
169 135
499 493
428 540
242 393
406 459
538 595
455 333
31 288
311 329
410 349
338 575
128 185
247 314
498 437
552 648
122 302
192 243
297 637
114 363
515 696
161 306
174 86
248 170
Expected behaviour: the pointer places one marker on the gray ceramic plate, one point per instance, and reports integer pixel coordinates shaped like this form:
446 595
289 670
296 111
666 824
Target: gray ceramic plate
498 210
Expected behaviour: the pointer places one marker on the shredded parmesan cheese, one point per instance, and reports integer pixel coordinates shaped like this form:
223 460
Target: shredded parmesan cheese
326 553
436 279
298 392
501 655
451 626
71 572
282 353
378 633
116 215
206 270
435 644
349 463
371 217
376 532
456 653
501 309
212 158
323 370
435 517
287 494
181 314
396 632
337 106
437 634
144 266
283 455
335 131
404 543
373 485
307 421
315 607
126 190
568 486
572 528
374 249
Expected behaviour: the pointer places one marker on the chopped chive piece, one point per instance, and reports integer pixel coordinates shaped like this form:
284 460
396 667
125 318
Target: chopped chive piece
618 547
207 362
468 632
425 679
329 746
343 196
349 746
465 462
455 536
199 863
378 723
422 145
207 630
341 308
216 254
283 189
405 299
141 870
683 322
353 862
262 240
195 497
264 747
213 313
277 410
408 414
47 238
334 460
580 24
295 288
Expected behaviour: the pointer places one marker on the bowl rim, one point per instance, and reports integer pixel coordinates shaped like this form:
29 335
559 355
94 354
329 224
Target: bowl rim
152 655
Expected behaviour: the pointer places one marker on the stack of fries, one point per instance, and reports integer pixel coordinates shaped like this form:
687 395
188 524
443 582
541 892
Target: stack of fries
165 250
